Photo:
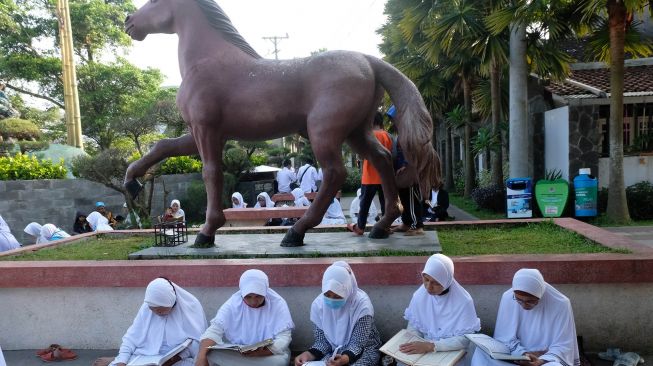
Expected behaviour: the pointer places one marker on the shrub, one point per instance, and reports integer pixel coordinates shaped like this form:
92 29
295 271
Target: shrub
23 167
181 165
19 129
640 197
258 158
490 198
194 202
28 146
353 180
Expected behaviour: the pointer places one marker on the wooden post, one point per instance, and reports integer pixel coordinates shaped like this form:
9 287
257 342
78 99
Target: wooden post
71 97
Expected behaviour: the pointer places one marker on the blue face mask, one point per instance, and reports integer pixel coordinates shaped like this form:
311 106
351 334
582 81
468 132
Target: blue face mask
334 303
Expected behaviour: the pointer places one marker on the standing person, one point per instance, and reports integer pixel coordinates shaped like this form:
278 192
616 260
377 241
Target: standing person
435 208
285 177
307 176
371 180
343 323
253 314
534 320
354 207
81 226
7 239
99 207
441 311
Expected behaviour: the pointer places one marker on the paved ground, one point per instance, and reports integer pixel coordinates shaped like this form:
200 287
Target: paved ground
640 234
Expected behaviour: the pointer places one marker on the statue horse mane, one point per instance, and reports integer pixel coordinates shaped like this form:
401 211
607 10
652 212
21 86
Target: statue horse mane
221 22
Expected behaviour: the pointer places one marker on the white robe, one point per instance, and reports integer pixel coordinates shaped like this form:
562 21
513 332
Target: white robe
7 239
98 222
334 214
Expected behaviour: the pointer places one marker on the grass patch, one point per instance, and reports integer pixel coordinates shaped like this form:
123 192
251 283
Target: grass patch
468 205
100 248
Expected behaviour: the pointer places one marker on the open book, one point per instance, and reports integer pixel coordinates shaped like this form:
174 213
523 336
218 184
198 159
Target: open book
494 348
243 348
157 360
447 358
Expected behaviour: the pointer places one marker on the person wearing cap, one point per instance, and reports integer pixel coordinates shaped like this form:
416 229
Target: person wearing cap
168 317
253 314
343 322
100 207
441 311
534 320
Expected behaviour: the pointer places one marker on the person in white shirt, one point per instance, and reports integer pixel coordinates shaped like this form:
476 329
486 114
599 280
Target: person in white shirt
307 176
285 177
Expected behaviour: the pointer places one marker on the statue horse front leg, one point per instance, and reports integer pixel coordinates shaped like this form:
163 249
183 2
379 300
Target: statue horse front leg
180 146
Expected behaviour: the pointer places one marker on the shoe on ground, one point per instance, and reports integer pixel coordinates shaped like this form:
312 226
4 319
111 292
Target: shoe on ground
414 232
355 229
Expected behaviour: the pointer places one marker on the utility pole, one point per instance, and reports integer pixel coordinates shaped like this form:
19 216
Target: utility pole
71 98
276 40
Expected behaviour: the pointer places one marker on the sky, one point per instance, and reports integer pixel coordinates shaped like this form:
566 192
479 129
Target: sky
310 25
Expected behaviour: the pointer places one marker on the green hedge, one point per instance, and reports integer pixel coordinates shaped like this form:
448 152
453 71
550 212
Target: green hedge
23 167
181 165
19 129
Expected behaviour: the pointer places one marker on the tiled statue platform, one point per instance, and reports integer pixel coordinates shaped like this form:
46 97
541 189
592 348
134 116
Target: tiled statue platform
267 245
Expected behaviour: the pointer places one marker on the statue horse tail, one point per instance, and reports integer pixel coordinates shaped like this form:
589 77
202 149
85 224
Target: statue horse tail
414 124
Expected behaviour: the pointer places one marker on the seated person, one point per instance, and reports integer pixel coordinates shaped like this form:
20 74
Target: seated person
177 213
300 198
334 214
534 320
169 315
81 226
168 216
435 208
99 207
354 208
7 239
343 320
253 314
98 222
441 311
237 200
34 229
263 200
50 232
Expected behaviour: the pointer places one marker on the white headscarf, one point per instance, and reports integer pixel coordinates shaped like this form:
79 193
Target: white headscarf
338 324
186 320
268 202
7 239
98 222
180 212
246 325
547 326
355 207
300 199
51 232
442 316
34 229
334 214
239 197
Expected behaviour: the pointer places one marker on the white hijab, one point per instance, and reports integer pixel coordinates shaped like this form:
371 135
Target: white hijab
300 199
7 239
180 212
268 201
442 316
338 324
51 232
239 197
186 320
547 326
334 214
245 325
98 222
355 207
34 229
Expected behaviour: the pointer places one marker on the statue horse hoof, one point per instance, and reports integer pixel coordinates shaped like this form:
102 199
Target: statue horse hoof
292 239
134 187
204 241
378 233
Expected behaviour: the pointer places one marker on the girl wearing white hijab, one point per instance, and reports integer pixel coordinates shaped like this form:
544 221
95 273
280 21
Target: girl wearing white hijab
169 315
535 320
343 319
334 214
441 311
34 229
98 222
355 207
177 212
251 315
300 199
265 199
237 200
7 239
51 233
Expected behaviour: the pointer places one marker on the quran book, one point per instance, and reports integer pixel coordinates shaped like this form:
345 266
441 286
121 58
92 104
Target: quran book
446 358
242 348
157 360
494 348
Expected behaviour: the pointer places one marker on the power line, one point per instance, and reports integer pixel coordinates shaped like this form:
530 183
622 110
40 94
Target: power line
276 40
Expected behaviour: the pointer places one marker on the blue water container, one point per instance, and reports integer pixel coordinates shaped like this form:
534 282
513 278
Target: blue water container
586 193
519 196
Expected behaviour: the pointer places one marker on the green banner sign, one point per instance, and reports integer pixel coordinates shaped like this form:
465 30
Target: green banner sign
551 196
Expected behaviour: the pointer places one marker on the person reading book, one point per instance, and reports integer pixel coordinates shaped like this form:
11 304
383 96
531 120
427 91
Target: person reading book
343 319
441 311
253 314
168 317
534 320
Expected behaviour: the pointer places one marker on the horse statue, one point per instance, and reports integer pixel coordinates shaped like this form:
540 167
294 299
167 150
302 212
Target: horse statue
229 91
